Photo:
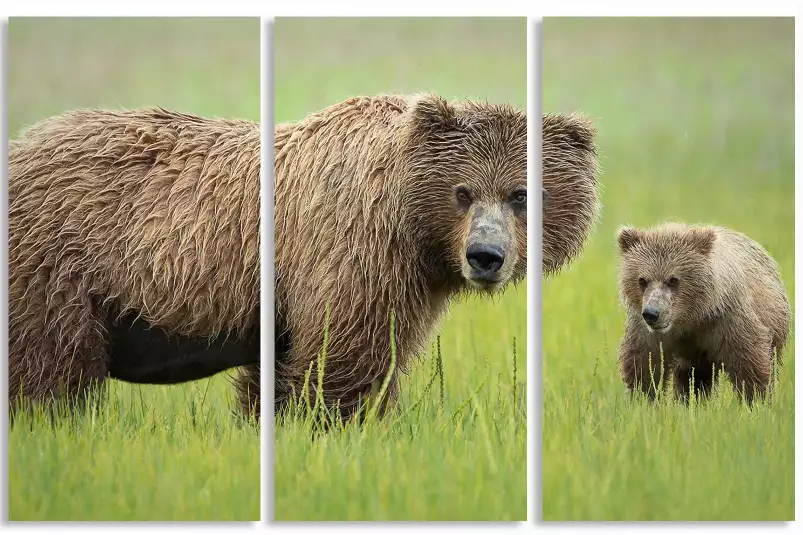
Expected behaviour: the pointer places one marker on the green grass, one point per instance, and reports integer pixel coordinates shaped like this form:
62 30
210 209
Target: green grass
695 123
464 458
149 452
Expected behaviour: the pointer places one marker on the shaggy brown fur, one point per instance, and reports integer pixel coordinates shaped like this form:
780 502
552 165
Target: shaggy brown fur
711 297
149 212
571 196
378 200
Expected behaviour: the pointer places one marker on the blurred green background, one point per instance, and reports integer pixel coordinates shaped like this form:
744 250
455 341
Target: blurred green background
206 66
152 452
321 61
696 123
464 458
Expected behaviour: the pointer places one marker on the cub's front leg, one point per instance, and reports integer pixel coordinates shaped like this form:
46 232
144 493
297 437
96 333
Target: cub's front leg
640 363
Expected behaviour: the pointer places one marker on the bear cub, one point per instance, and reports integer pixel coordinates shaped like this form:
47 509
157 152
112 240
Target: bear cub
709 297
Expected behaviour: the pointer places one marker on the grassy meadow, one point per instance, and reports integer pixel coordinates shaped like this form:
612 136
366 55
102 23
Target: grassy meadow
696 123
146 452
457 449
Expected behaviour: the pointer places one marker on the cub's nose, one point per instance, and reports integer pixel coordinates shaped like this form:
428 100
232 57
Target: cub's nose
485 258
650 315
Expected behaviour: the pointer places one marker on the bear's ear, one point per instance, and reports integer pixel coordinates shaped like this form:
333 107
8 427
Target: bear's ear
432 113
576 129
702 239
627 238
581 131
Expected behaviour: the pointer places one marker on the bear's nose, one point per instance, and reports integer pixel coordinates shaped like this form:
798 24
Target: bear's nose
650 315
485 258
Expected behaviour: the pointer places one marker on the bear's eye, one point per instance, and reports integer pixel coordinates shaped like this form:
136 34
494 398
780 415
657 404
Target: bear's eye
672 282
519 196
463 194
642 282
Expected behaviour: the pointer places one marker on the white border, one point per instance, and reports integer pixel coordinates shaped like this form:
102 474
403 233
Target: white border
798 234
420 8
266 269
534 270
4 267
367 8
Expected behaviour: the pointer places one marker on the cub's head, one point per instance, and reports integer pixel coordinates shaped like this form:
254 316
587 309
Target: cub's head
666 276
468 161
570 190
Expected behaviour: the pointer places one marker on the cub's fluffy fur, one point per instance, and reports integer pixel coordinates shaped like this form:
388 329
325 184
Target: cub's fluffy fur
709 297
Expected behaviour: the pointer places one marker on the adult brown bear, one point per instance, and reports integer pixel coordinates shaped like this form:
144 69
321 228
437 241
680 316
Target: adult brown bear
392 203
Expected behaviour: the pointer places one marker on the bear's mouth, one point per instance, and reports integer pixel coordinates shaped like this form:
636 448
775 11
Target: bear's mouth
486 284
659 329
484 279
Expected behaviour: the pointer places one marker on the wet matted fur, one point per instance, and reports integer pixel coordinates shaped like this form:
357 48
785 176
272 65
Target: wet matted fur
571 188
124 220
376 201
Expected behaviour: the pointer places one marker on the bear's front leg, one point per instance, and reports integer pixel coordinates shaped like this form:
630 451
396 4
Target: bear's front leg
641 366
356 401
642 374
701 373
381 405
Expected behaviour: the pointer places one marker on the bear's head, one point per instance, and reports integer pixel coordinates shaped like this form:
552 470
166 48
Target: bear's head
468 162
570 190
666 275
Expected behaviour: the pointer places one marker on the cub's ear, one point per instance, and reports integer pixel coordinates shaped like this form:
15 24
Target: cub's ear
432 113
627 238
702 239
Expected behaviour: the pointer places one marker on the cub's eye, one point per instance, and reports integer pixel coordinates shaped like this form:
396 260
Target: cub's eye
463 194
672 282
519 196
642 282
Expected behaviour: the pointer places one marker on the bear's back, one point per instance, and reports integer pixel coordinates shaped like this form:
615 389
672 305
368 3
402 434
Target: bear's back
749 272
156 210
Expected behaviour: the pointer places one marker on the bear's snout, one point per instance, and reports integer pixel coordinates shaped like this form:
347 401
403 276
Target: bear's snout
656 309
485 259
651 315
